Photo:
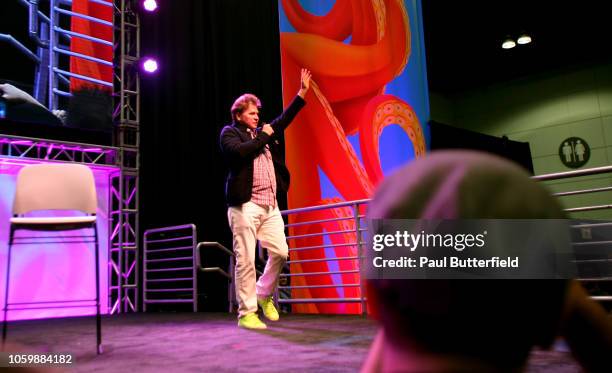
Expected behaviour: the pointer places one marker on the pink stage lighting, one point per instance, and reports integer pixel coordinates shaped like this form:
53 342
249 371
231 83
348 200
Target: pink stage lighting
149 65
149 5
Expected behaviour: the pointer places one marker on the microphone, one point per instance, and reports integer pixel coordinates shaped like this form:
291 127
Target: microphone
259 128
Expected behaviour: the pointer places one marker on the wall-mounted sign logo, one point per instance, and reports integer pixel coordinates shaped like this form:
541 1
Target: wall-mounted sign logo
574 152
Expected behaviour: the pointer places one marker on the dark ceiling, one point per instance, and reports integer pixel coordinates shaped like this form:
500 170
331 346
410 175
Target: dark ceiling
463 39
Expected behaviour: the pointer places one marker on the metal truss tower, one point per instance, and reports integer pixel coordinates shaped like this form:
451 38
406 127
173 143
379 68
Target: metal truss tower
124 240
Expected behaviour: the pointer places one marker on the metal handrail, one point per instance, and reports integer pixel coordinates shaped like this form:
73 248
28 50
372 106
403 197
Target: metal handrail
358 242
22 48
101 2
324 207
576 173
584 191
83 16
82 36
588 208
179 249
324 259
83 56
359 229
196 263
82 77
229 274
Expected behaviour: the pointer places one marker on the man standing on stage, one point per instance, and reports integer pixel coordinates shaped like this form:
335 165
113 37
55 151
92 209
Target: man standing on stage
257 173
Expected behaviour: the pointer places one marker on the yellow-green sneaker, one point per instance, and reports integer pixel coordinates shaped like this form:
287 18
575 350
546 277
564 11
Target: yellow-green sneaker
267 305
251 321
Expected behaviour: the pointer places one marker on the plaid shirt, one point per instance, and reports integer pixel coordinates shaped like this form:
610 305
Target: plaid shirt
264 179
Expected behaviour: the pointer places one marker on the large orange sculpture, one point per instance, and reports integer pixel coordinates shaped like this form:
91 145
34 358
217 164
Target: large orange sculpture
347 98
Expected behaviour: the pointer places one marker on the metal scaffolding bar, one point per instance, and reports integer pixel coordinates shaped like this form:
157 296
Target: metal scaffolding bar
126 109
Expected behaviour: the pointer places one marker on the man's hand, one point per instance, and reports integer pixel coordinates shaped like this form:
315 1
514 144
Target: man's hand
305 79
305 82
267 129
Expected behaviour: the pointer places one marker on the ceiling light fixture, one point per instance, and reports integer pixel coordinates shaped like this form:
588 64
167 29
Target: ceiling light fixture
524 39
508 43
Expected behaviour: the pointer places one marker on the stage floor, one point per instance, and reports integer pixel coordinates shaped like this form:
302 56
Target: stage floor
209 342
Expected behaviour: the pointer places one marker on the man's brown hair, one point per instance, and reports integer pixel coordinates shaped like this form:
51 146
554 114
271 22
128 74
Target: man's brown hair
243 102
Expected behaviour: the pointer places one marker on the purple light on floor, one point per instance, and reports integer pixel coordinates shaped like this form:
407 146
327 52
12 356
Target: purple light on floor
150 65
150 5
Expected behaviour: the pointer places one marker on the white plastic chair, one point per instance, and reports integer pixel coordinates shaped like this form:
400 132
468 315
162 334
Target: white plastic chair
54 187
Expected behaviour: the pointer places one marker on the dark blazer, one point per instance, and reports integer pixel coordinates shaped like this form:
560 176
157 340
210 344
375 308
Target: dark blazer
239 150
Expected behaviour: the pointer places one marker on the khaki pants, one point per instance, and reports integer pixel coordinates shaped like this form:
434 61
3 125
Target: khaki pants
251 222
